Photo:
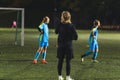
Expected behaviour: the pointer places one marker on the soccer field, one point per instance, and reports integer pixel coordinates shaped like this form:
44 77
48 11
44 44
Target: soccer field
16 61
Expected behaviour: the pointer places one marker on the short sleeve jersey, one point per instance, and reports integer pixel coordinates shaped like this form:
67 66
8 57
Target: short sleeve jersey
95 33
45 35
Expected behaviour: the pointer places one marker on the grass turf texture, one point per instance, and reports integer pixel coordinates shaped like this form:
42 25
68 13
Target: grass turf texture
16 61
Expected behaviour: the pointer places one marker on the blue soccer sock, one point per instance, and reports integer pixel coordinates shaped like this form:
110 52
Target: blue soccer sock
86 54
43 55
37 55
95 55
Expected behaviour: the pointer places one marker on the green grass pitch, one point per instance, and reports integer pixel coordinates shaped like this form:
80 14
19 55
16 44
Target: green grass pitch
16 61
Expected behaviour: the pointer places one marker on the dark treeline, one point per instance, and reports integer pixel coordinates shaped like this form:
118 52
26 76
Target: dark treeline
83 11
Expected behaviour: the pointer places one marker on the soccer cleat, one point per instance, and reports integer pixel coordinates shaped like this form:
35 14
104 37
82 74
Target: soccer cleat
82 59
44 62
34 61
60 78
69 78
95 61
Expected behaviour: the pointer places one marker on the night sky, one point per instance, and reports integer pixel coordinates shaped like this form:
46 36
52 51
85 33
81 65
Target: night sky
83 11
37 10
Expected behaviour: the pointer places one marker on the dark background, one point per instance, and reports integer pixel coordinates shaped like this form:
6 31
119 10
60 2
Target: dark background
83 11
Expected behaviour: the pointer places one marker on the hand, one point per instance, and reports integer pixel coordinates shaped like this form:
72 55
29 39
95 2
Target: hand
87 46
41 31
94 36
56 46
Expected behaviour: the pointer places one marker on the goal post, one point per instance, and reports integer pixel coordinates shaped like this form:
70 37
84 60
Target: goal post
22 21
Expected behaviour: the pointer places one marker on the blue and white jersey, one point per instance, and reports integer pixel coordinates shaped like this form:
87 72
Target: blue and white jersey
45 35
93 35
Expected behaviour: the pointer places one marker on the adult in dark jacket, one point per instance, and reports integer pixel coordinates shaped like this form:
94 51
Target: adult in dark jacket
66 34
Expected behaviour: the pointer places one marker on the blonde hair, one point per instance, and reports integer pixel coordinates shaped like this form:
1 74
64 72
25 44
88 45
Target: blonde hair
45 19
66 17
96 22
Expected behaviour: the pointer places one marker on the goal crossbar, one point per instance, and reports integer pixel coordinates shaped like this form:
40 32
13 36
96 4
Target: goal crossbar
22 21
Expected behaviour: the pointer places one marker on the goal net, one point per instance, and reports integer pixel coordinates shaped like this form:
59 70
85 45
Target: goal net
11 26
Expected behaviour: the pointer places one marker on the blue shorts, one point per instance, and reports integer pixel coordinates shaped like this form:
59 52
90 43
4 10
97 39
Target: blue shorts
43 44
93 46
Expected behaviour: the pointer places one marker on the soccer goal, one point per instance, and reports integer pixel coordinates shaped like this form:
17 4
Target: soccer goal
12 20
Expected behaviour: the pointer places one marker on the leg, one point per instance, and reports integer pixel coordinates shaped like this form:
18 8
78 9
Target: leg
95 54
68 67
44 53
44 56
59 67
40 49
37 54
87 53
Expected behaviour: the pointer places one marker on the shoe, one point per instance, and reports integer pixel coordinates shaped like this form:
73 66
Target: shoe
34 61
82 59
69 78
95 61
60 78
44 62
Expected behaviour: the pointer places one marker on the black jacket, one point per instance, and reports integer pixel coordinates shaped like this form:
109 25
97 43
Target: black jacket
66 33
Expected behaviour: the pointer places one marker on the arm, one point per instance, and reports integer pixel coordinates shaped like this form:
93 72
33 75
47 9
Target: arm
40 28
75 35
93 32
57 29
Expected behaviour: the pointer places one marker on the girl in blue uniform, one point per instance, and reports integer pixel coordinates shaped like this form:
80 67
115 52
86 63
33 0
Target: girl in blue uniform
93 43
43 40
